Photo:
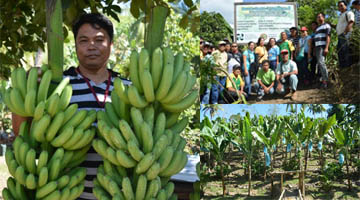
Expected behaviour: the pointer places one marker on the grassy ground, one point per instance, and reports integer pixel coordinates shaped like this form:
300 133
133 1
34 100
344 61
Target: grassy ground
237 184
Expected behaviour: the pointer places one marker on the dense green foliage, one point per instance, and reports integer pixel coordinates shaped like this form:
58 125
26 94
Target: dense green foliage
214 28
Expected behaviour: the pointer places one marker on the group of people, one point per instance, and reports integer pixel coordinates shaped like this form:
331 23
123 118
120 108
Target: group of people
280 65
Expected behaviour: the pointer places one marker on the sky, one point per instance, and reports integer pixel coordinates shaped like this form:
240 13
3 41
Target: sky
226 7
258 109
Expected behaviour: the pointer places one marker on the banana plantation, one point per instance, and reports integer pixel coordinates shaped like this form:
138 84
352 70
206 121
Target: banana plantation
290 156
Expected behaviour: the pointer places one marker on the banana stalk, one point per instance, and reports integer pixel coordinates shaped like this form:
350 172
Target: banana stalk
155 32
55 38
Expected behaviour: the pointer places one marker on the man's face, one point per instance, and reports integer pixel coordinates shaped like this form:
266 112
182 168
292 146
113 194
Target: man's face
313 26
304 33
285 57
222 48
205 49
320 18
227 47
293 32
265 66
234 48
342 7
93 47
283 36
236 72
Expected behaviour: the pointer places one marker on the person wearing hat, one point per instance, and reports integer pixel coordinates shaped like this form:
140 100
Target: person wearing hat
301 56
356 5
286 44
343 30
286 75
204 50
294 36
232 91
220 57
264 80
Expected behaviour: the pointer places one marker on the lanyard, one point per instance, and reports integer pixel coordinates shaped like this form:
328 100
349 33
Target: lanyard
102 105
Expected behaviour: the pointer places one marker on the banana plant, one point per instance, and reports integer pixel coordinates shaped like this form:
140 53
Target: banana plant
299 131
268 133
215 138
245 141
344 135
324 128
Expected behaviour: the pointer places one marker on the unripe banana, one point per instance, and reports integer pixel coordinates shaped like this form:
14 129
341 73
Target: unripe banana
44 86
30 101
110 111
147 138
157 66
168 71
134 70
127 189
135 99
43 176
55 126
141 188
124 160
32 80
21 81
63 137
148 86
127 131
40 128
145 163
46 189
30 161
30 182
39 111
190 82
184 104
178 65
180 126
176 88
42 161
17 102
61 86
65 97
121 90
134 150
153 171
85 140
69 112
11 184
159 126
74 138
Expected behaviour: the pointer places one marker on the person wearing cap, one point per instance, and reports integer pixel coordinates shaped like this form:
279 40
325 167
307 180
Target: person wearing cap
322 42
343 30
286 75
220 57
264 80
234 57
294 36
356 5
204 50
232 92
301 56
286 44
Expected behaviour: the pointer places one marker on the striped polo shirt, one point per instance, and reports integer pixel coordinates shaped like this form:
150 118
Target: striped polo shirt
85 99
321 34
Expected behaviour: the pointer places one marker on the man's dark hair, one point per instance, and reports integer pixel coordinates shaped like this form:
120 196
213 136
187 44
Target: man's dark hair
320 13
314 22
236 67
265 61
97 21
344 2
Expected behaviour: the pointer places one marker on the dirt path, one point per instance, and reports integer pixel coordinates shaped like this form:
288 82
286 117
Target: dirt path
304 95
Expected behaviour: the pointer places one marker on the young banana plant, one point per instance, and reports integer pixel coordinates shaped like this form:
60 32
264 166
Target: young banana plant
324 128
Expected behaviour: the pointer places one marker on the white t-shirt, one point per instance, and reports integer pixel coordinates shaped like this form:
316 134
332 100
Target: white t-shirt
342 23
232 62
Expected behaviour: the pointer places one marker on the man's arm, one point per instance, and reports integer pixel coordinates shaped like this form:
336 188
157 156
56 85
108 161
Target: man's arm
326 50
261 83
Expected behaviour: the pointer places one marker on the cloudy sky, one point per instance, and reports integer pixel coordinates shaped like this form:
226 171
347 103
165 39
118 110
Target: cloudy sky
225 7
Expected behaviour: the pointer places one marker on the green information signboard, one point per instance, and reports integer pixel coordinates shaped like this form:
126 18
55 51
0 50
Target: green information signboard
268 20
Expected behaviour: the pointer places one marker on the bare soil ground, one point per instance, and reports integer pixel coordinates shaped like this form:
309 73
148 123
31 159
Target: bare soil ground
237 184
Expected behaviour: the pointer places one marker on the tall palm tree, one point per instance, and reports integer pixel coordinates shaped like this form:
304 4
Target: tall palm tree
316 109
212 109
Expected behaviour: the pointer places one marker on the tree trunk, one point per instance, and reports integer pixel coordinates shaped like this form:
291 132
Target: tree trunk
306 156
222 179
348 171
321 160
249 171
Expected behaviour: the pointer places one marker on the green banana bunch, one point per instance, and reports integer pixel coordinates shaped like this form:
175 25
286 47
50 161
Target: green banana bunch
26 95
141 152
47 176
160 77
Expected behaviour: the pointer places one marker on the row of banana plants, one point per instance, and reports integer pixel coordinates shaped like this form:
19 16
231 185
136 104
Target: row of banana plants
250 135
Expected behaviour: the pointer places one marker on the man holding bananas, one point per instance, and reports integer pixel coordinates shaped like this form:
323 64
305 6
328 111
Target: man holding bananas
92 82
